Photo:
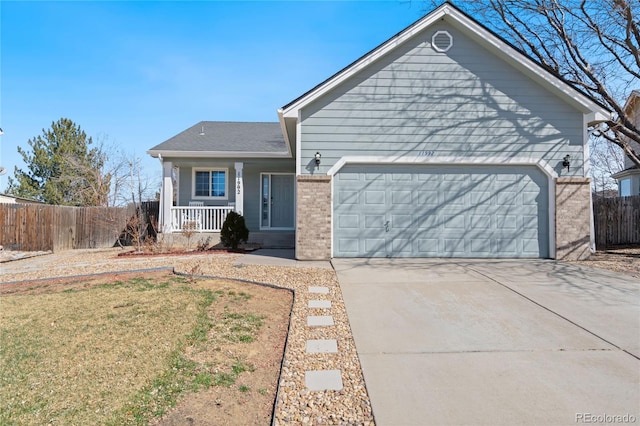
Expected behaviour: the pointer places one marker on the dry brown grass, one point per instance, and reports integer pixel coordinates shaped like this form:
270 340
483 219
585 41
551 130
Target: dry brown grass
110 353
78 356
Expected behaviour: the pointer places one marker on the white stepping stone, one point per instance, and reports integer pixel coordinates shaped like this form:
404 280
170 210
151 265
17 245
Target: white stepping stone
319 321
326 346
319 290
319 380
321 304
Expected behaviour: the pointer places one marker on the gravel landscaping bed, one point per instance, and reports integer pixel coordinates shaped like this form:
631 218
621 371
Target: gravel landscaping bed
295 404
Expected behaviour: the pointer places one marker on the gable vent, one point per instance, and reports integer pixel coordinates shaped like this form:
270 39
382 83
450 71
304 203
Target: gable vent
442 41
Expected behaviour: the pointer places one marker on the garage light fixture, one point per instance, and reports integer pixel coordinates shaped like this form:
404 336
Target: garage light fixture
317 158
566 161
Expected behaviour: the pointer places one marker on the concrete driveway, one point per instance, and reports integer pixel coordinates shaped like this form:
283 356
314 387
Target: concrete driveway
448 342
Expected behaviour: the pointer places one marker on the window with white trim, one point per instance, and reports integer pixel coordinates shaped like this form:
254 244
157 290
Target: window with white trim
625 187
210 183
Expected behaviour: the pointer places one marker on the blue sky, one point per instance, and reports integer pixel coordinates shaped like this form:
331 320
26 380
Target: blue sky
134 74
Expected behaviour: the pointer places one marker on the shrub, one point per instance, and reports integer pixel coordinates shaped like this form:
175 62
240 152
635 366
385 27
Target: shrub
234 231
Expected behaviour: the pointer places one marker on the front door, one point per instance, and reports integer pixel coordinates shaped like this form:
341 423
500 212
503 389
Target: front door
277 201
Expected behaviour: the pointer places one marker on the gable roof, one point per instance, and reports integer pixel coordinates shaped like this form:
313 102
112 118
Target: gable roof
479 33
633 97
225 139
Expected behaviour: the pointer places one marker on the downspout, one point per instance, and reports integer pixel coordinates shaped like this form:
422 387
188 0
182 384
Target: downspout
586 161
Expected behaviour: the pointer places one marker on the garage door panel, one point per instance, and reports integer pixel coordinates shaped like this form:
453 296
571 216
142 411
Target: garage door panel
401 246
453 247
401 221
428 222
348 197
376 246
373 177
452 198
428 197
374 197
480 221
436 210
480 198
507 197
480 246
455 177
350 221
400 198
427 246
507 245
374 222
348 246
402 177
507 222
453 222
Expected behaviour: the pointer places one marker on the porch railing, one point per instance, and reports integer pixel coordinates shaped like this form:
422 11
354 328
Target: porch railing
201 219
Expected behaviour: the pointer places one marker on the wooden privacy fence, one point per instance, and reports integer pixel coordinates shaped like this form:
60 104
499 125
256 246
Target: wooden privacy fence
33 227
617 221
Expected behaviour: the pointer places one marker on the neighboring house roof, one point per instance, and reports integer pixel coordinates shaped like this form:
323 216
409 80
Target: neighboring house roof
12 199
498 46
632 169
225 139
634 96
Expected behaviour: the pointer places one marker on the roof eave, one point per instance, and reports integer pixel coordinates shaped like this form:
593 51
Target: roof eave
283 126
217 154
597 117
626 173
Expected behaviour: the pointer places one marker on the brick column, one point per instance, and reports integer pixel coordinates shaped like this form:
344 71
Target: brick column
573 218
313 218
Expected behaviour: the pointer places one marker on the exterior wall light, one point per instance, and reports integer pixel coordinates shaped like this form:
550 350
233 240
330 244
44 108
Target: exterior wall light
566 161
317 159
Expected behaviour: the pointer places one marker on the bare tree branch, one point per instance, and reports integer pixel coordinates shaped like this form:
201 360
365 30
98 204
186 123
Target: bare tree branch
594 45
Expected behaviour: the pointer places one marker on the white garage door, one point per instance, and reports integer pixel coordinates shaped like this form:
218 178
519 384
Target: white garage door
440 211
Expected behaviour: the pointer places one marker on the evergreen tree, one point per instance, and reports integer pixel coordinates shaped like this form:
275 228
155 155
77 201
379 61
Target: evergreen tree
63 168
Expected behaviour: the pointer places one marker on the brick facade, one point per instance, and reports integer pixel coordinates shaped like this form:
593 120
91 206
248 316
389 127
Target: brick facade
313 218
573 218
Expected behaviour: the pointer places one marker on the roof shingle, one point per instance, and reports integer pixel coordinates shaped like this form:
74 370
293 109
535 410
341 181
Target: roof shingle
227 136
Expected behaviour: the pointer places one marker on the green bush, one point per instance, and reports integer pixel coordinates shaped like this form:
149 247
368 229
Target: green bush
234 231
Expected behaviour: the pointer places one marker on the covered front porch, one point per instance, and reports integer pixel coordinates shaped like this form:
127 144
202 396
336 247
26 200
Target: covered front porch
196 216
215 167
262 190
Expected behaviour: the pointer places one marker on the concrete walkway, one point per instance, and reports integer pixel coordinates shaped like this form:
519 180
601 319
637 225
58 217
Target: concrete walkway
501 342
279 257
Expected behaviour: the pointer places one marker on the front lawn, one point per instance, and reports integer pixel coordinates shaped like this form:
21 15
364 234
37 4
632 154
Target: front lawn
125 352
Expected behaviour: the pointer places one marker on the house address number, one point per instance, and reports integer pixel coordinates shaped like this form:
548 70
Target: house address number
426 153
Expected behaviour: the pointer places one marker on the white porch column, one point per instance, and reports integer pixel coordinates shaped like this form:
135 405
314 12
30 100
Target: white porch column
166 196
239 188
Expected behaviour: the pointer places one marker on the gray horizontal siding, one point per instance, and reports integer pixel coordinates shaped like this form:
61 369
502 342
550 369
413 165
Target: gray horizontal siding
465 102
